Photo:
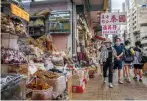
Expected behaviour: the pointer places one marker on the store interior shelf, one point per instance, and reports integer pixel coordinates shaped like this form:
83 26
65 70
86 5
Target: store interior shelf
11 36
59 32
37 17
36 36
55 21
35 26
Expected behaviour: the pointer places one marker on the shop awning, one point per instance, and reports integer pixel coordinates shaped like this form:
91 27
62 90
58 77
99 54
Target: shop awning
99 37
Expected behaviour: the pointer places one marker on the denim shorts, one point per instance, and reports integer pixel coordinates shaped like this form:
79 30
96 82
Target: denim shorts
118 65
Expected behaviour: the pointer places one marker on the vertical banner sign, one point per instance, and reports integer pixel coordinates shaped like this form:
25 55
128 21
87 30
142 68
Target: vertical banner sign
111 22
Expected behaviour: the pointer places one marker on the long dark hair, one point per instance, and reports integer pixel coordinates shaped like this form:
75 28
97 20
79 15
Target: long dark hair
138 43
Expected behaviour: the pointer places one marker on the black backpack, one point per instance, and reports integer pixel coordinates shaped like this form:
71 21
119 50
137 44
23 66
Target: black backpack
128 56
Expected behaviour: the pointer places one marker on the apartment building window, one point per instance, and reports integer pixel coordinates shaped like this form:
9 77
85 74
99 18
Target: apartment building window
144 45
144 38
135 22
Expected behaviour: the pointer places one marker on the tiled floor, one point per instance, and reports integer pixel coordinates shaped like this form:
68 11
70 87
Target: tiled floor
97 90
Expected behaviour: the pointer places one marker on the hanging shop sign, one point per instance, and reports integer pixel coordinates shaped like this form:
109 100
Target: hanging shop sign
114 18
110 29
19 12
142 13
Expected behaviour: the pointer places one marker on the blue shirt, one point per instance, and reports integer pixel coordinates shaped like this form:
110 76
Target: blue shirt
119 49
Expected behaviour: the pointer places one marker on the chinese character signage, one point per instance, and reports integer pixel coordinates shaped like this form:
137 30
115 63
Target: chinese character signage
19 12
113 18
110 29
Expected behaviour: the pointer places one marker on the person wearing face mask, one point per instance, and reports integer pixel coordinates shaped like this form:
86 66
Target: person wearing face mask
109 53
119 59
128 58
102 59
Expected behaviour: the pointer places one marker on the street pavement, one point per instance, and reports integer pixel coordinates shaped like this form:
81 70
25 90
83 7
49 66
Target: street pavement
97 90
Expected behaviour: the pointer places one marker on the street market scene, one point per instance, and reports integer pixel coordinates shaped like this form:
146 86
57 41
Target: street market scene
73 50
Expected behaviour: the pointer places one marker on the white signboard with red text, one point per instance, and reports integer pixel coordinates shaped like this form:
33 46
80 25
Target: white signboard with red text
113 18
111 22
110 29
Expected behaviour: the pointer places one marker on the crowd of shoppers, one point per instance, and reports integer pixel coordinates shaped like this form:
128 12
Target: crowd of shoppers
121 57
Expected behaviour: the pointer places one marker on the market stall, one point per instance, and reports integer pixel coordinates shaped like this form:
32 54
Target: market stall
29 58
32 67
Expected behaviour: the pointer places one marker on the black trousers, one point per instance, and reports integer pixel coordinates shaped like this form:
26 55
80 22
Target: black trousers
108 65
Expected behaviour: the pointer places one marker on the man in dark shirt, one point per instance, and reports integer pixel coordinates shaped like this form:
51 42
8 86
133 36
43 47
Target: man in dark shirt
118 60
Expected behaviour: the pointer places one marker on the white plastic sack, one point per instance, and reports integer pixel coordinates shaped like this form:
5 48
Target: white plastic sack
59 85
42 94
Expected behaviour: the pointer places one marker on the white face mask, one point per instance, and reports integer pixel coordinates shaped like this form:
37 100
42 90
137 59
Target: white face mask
128 46
117 43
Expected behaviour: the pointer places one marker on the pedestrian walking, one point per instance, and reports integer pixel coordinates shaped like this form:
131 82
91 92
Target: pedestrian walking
108 54
138 61
128 58
119 59
102 59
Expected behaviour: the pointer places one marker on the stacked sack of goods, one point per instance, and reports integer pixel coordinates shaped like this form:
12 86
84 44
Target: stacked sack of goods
47 85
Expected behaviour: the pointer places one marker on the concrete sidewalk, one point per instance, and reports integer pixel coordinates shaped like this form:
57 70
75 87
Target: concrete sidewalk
97 90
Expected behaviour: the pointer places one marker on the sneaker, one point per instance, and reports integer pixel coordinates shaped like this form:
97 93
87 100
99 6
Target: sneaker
110 85
140 80
129 80
120 82
104 80
135 78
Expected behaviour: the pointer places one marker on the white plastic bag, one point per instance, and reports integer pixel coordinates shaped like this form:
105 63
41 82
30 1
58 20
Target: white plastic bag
59 85
42 94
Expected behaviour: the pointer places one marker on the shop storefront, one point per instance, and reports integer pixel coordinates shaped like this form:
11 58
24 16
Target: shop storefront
46 51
